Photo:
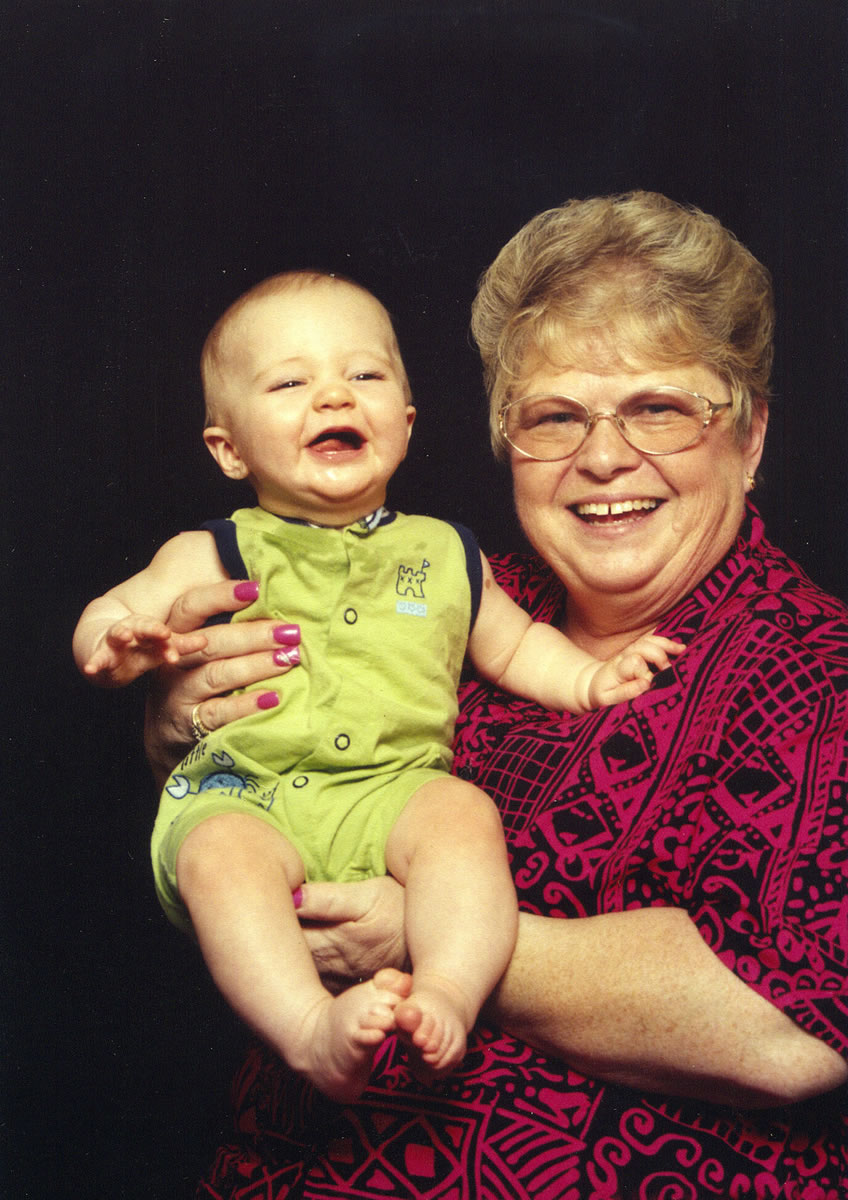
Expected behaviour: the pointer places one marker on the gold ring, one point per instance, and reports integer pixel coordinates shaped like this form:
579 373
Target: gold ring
197 727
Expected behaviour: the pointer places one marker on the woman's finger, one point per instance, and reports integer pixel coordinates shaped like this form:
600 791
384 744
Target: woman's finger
221 710
333 902
209 685
243 638
194 607
226 674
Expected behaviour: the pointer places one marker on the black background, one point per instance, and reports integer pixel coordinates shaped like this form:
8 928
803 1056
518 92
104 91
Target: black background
159 157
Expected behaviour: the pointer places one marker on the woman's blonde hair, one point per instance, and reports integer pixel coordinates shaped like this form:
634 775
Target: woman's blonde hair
636 279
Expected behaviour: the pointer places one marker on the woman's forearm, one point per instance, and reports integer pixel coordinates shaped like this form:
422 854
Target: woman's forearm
638 998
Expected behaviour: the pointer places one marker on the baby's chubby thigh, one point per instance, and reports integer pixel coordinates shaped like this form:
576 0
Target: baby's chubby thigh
445 819
214 818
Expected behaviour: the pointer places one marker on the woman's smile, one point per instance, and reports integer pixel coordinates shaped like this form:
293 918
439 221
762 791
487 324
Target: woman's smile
613 512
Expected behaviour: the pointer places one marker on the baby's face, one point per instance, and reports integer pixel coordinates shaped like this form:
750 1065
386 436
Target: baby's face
316 411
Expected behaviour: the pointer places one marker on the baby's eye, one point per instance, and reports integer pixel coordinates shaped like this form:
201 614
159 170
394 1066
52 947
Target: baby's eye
365 375
285 383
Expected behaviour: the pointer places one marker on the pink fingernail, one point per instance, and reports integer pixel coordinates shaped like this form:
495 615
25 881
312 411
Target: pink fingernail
297 897
287 658
267 700
287 635
249 590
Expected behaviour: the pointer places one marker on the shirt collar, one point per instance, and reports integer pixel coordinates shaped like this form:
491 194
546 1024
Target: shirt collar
362 525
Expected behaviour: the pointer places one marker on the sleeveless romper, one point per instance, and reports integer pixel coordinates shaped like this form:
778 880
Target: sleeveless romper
385 607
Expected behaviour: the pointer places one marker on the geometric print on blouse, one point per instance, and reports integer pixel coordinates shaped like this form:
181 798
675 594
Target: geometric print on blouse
734 806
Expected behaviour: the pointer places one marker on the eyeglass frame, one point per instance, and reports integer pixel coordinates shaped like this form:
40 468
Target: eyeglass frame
612 414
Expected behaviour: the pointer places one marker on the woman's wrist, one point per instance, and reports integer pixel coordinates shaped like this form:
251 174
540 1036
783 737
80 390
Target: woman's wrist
164 744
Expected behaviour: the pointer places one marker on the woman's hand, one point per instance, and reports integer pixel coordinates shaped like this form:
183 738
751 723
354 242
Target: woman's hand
235 656
353 929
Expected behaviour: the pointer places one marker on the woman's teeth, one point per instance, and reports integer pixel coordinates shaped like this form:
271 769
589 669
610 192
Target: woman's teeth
614 508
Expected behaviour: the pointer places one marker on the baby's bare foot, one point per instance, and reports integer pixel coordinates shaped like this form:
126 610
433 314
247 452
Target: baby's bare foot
341 1034
435 1019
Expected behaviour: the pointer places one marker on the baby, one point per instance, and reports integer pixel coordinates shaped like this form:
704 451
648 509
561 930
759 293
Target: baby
307 398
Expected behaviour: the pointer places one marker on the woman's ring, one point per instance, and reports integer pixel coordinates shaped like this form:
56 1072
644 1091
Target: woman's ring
197 727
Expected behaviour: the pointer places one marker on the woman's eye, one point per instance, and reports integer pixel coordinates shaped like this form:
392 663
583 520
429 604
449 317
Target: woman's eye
553 416
654 410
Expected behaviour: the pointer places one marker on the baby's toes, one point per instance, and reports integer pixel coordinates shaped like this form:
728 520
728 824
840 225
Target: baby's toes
389 980
378 1016
428 1036
447 1052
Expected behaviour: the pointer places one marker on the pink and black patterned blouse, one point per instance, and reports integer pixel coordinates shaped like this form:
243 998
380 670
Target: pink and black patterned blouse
722 791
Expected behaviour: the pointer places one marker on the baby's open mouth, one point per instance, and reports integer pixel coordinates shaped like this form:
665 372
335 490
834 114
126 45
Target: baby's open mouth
613 510
337 439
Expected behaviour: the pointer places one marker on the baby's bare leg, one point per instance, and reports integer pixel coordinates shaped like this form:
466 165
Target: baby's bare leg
447 848
236 874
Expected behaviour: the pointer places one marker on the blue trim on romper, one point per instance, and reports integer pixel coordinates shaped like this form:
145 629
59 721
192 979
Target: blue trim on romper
226 543
473 566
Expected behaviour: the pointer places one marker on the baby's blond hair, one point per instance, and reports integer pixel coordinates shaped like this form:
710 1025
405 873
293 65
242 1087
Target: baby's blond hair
215 354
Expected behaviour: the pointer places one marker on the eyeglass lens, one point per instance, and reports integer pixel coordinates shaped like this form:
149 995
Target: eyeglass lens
658 422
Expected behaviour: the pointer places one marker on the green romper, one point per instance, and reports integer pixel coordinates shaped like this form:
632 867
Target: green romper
385 607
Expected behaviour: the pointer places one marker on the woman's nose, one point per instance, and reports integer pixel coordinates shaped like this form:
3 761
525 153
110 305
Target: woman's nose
604 451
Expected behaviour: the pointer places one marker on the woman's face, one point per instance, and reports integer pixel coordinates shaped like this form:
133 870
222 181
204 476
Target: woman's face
678 514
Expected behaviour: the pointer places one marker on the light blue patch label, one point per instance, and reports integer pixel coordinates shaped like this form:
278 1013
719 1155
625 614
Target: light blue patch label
411 608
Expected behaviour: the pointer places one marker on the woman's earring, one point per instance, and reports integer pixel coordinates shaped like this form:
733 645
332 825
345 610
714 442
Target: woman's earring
750 483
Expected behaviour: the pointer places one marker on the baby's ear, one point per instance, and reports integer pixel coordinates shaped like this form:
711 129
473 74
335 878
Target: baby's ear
223 449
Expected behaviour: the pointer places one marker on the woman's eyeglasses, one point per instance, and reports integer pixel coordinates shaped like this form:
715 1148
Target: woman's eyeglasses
662 420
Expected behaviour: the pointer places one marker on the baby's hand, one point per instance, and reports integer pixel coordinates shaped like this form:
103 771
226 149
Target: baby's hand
629 673
136 644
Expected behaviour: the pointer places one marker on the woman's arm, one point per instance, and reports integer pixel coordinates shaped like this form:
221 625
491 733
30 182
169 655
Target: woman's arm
235 656
635 998
638 998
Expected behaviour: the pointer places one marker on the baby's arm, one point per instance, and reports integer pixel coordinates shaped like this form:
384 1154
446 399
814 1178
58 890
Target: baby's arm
122 634
537 661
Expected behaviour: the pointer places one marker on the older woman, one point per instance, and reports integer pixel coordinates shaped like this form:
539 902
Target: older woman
673 1021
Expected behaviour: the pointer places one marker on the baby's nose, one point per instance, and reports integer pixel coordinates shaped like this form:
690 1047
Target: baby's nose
336 394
